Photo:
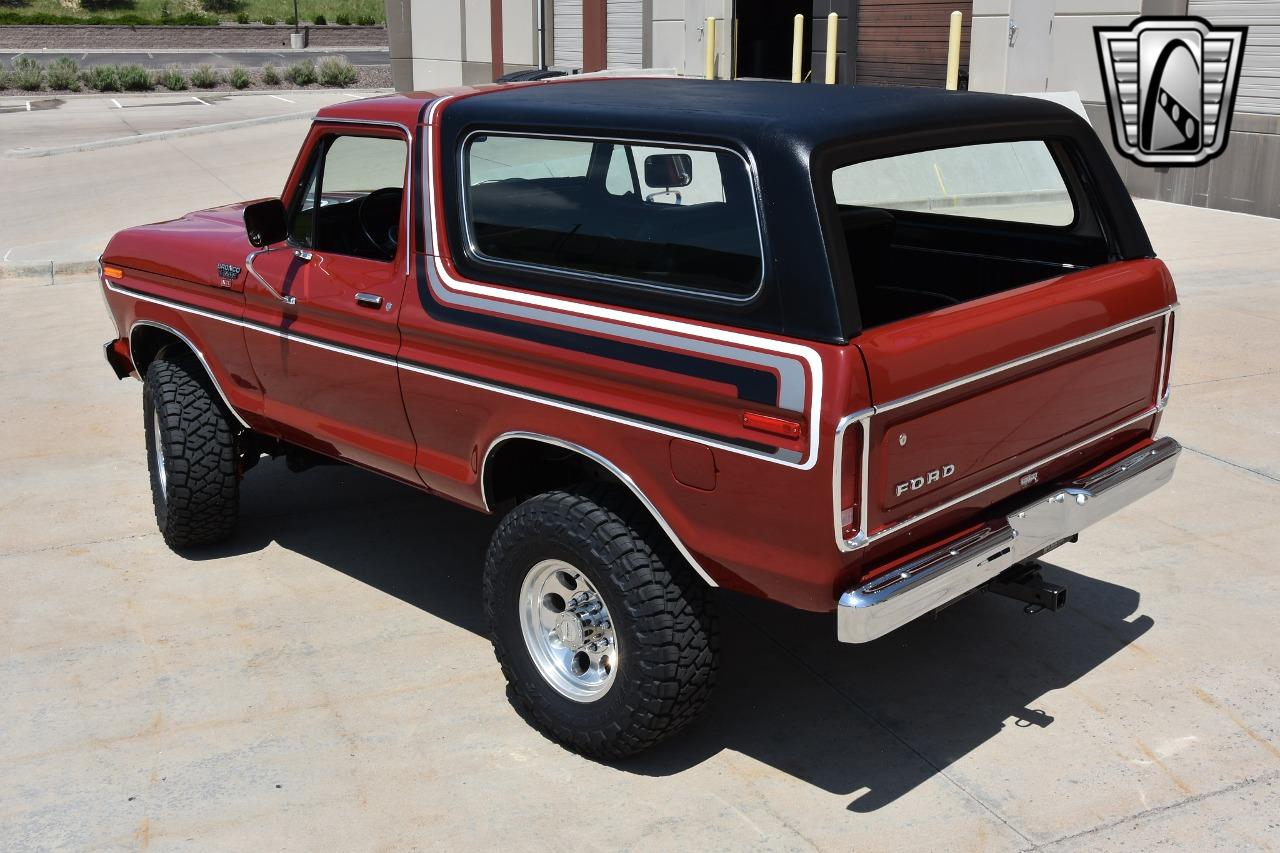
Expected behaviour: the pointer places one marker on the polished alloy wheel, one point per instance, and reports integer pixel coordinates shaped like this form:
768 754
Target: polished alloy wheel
158 438
568 631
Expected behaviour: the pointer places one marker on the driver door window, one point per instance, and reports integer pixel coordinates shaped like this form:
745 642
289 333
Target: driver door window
352 198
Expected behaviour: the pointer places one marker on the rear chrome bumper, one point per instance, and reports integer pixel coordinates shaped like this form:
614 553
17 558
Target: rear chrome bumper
931 581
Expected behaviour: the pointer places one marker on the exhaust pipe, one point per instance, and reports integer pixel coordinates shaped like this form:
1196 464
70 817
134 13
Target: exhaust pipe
1023 582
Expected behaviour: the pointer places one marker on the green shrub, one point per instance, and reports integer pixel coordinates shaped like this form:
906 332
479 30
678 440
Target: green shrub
239 78
205 77
165 13
4 78
64 74
337 71
301 73
135 78
291 21
268 20
270 76
242 18
27 74
106 5
320 21
220 6
366 20
102 78
172 79
342 19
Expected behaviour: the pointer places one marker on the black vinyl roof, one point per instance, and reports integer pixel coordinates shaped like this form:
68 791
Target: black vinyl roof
793 135
806 115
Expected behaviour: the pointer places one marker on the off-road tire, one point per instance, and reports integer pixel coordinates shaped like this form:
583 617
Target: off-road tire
666 628
199 504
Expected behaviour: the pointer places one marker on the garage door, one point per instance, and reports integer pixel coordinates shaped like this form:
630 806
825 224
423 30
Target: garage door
904 42
624 38
566 30
1260 77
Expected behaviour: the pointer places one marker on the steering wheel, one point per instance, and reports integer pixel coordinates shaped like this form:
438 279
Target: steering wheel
379 214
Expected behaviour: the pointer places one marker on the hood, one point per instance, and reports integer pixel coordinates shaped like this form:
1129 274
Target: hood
189 248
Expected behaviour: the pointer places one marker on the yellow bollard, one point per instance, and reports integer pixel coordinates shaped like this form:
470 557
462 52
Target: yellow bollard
833 24
711 49
797 49
953 52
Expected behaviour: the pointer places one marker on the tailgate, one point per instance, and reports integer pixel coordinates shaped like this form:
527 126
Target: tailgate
994 390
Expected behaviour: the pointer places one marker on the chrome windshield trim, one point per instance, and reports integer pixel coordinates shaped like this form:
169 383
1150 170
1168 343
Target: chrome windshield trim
612 468
862 536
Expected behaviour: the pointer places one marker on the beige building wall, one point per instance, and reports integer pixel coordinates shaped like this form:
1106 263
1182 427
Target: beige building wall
436 43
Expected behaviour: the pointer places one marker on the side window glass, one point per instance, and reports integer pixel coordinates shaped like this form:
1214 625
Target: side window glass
1004 181
353 199
674 218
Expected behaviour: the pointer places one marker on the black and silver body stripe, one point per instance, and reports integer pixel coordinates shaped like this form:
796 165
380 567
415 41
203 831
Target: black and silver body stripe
673 430
787 362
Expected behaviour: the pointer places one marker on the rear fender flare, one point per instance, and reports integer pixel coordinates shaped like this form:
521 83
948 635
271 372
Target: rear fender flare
609 466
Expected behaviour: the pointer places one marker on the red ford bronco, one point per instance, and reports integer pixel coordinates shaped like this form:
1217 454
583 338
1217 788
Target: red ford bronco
863 350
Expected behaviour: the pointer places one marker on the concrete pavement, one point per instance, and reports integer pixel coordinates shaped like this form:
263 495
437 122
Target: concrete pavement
323 680
64 208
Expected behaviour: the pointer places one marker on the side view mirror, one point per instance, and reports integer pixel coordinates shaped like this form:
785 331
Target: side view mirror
668 170
264 222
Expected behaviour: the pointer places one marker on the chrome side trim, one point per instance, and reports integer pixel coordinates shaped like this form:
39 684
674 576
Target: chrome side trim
863 537
195 349
939 577
612 468
438 374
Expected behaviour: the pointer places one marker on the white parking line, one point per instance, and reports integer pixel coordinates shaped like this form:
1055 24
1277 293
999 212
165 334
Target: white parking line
206 103
6 255
278 98
117 103
28 106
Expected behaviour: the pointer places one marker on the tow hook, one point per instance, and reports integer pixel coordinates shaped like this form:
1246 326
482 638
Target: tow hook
1023 582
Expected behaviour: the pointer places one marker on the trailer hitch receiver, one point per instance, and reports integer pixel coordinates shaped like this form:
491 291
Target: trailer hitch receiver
1024 582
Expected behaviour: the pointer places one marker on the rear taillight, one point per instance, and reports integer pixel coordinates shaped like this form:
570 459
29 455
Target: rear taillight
849 479
1166 364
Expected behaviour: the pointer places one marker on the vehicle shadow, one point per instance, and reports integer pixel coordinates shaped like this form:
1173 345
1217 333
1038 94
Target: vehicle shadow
869 721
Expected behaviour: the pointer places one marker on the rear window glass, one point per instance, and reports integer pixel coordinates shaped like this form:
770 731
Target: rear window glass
667 217
1005 181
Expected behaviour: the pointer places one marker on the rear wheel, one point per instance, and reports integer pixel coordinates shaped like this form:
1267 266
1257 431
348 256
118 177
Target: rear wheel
601 629
191 454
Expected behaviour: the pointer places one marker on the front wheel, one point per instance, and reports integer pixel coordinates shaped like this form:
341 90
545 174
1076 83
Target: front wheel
602 630
191 454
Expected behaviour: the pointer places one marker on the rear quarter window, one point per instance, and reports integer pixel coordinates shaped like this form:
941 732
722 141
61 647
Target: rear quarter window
672 218
1004 181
